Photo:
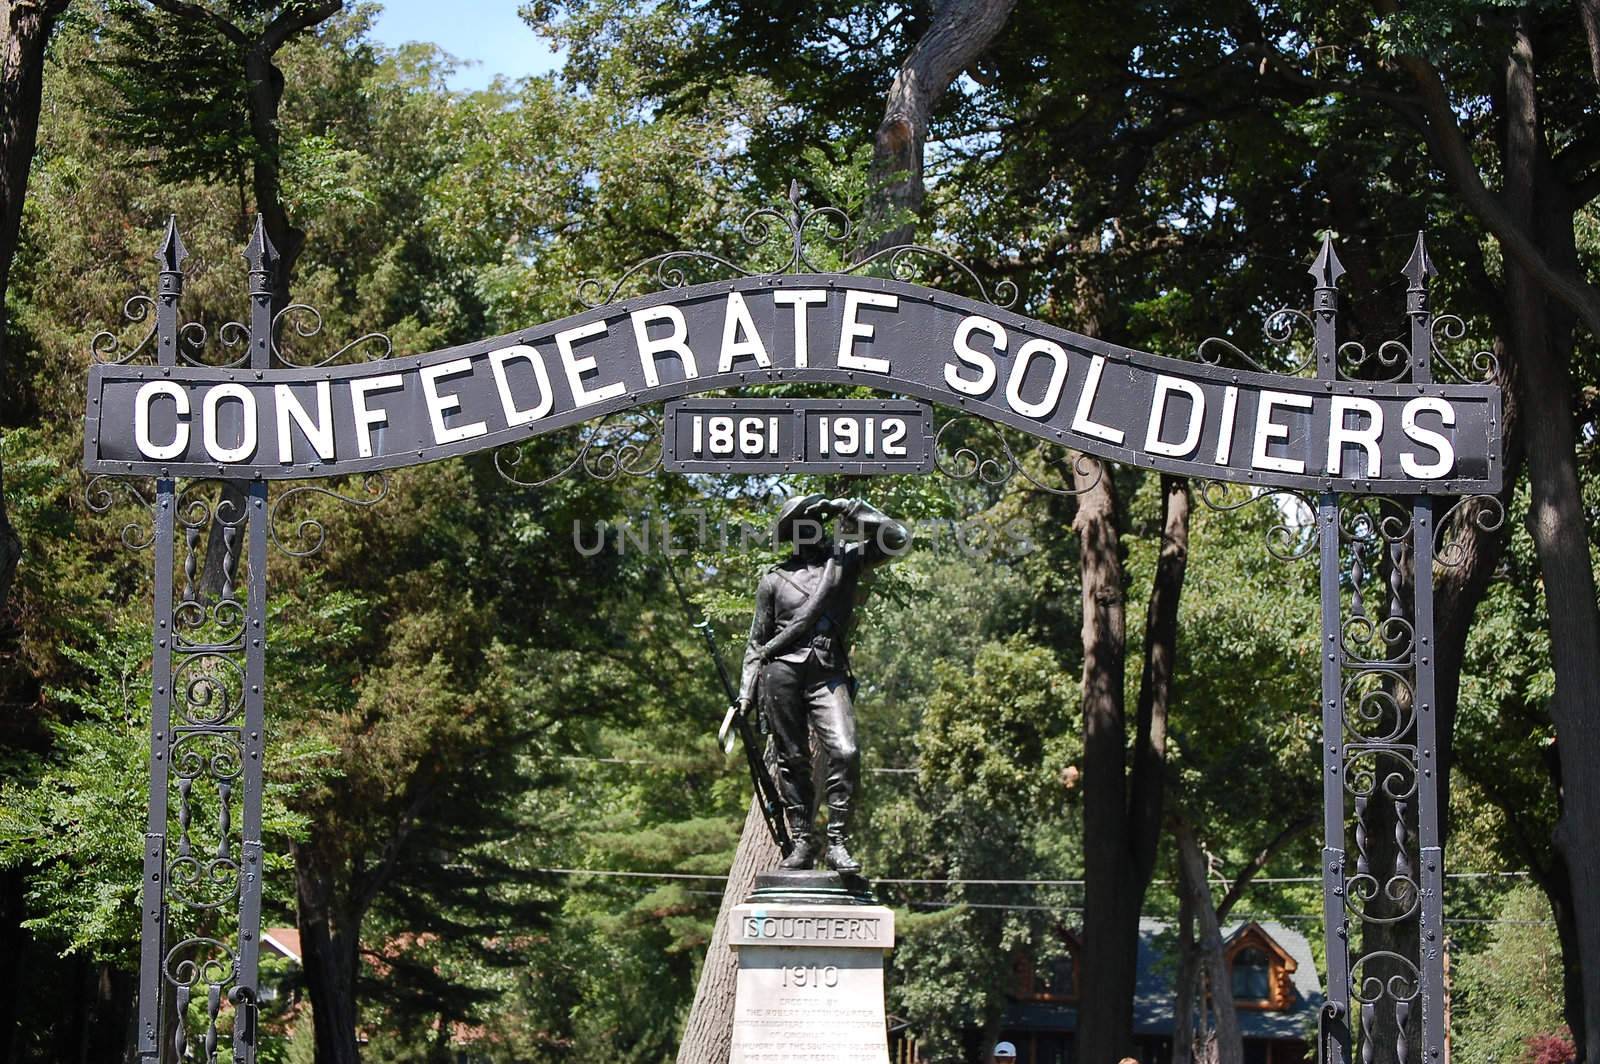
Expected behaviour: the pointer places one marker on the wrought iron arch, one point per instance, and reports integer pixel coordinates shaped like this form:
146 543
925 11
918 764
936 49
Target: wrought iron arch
203 853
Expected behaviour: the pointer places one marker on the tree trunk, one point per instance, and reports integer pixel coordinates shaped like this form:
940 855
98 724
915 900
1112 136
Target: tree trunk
1185 982
27 27
1461 577
330 956
958 33
1111 909
1122 809
265 93
1148 786
1192 871
708 1033
1542 341
1558 889
14 967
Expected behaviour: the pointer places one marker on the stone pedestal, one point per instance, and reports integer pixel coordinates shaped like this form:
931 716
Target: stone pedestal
810 986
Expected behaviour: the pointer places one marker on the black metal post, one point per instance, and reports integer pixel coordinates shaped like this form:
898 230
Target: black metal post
153 908
1430 841
261 258
1379 709
1335 1025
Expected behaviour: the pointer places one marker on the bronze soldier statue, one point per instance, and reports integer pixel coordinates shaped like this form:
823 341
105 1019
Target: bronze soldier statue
798 660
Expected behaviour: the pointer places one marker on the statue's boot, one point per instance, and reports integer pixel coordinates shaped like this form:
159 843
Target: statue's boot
838 855
803 853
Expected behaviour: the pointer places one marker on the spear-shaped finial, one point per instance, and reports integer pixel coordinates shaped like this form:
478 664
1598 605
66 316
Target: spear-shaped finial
262 258
794 192
172 253
1420 266
1327 269
1417 270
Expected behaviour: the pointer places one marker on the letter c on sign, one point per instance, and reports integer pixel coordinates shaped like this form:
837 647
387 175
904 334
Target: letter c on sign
141 420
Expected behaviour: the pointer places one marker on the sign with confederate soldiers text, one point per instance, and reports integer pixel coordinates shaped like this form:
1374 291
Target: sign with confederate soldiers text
1084 393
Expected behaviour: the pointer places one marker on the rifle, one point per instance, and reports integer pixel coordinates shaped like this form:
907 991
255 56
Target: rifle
739 722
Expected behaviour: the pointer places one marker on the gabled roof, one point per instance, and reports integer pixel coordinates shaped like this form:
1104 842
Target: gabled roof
284 941
1253 934
1152 1001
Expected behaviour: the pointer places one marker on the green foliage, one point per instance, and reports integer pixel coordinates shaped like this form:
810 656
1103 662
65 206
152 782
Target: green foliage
76 819
1509 992
178 92
462 702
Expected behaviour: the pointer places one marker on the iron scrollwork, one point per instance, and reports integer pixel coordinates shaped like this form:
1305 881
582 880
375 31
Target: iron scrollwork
215 591
305 321
232 336
106 346
1479 366
1292 534
1280 328
794 234
1389 361
100 496
959 458
1481 513
309 534
627 443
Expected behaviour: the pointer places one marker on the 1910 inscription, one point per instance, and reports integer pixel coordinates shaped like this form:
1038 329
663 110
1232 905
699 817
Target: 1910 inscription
811 975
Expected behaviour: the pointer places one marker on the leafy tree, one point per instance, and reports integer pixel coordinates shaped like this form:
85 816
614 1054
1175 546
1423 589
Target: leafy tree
992 746
25 30
200 83
1509 993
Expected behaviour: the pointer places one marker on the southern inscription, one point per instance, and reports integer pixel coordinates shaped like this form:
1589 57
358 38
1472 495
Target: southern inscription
775 927
899 338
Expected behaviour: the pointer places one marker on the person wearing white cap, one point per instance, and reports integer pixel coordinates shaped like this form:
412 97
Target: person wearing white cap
1004 1051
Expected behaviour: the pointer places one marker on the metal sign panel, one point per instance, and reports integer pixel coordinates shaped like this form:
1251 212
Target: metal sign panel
798 436
1114 402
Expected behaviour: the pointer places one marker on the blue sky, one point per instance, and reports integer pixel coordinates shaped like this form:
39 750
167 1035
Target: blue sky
486 35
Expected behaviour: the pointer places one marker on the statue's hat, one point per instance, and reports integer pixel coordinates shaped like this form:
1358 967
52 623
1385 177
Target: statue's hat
791 510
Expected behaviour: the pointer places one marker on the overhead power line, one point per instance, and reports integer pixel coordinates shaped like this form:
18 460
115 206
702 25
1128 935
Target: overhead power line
1277 917
659 763
628 874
